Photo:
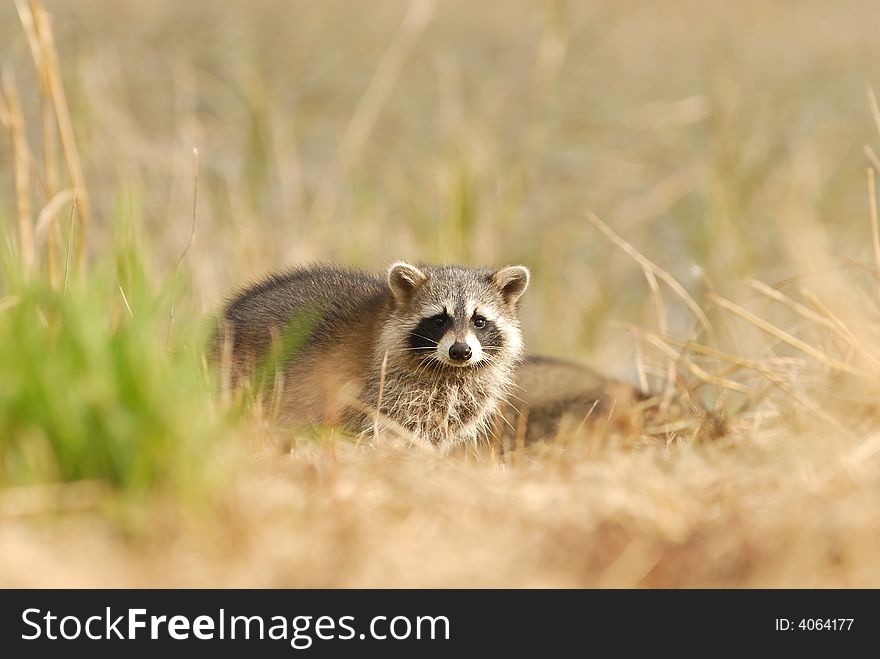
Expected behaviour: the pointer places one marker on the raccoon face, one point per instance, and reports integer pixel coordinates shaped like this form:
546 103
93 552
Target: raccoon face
457 317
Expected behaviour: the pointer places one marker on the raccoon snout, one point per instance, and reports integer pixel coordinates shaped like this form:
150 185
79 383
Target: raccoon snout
459 351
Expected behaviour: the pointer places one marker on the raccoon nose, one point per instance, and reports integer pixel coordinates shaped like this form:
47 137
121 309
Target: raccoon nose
459 351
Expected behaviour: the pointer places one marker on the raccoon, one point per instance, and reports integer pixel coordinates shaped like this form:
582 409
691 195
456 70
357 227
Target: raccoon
433 348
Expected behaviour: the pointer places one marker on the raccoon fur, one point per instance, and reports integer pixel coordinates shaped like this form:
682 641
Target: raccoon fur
554 396
440 342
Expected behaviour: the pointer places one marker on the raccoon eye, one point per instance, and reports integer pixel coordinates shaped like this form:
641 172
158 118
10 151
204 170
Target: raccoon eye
438 321
479 322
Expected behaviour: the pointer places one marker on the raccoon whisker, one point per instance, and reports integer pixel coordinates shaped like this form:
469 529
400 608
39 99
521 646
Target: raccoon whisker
423 359
424 364
426 338
512 395
427 363
507 423
518 411
430 358
422 367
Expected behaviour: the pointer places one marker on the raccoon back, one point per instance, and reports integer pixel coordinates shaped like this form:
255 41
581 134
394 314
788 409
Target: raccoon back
552 392
339 297
333 309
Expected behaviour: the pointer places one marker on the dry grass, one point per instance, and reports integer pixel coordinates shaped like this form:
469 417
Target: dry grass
737 250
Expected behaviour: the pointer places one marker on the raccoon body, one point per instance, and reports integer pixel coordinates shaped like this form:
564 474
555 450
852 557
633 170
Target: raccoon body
554 395
557 398
440 343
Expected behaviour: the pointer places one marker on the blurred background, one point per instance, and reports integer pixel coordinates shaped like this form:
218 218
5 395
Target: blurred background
703 132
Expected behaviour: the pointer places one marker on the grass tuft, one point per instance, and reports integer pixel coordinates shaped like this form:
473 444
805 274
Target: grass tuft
90 391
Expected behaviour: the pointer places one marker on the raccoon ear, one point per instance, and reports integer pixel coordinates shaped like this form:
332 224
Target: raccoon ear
404 279
512 282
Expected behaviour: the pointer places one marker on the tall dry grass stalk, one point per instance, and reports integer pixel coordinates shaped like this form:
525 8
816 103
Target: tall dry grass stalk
37 26
189 244
50 165
652 274
368 109
382 375
22 159
875 229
